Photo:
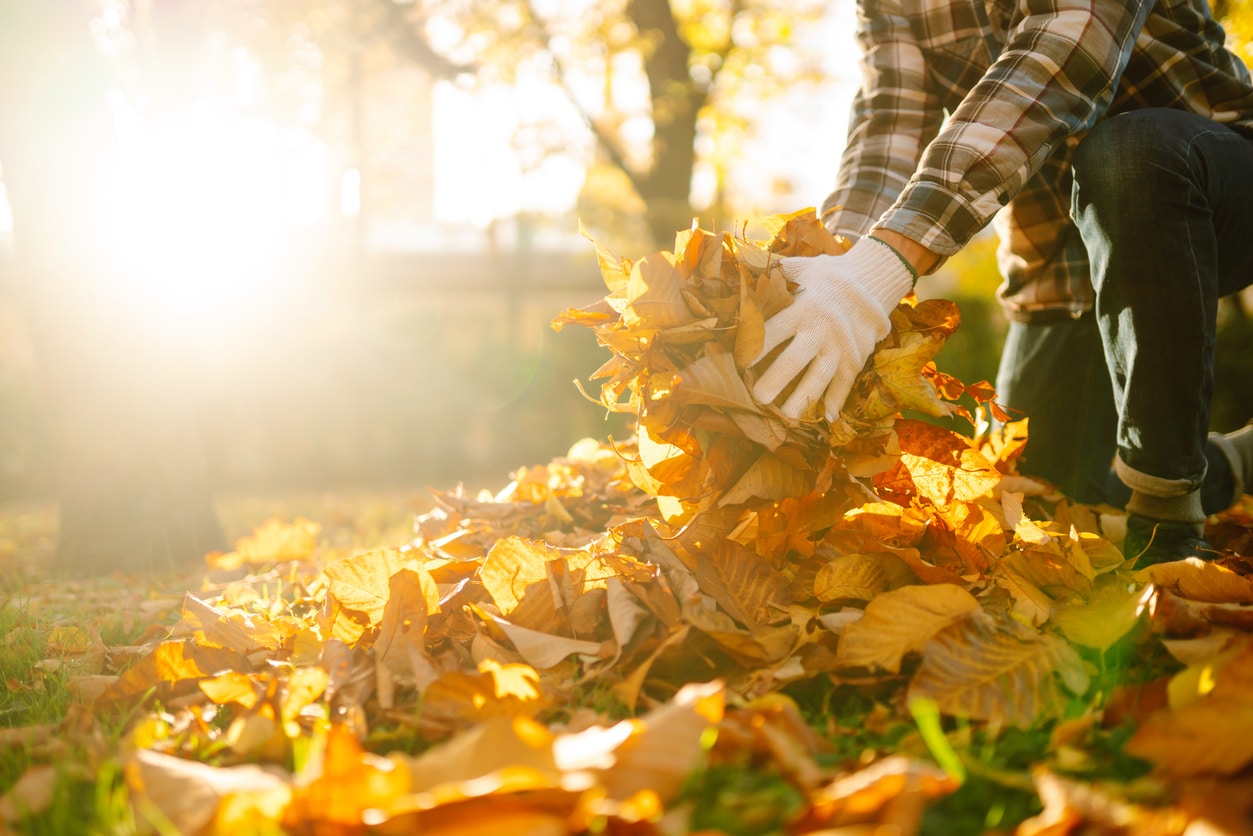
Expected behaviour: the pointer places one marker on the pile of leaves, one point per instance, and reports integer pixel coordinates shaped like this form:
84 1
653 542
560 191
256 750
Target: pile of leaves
732 622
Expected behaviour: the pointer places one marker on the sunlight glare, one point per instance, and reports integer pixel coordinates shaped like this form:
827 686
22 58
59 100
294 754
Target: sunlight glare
196 213
479 173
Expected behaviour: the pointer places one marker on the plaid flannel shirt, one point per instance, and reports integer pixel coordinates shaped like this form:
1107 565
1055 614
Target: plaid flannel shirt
969 111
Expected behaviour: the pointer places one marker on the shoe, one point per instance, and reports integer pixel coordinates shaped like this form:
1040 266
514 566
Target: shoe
1149 541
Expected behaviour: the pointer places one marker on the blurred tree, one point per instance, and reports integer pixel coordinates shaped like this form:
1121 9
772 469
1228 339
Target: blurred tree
128 469
662 85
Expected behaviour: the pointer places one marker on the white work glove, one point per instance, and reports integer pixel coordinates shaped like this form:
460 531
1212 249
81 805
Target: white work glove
840 311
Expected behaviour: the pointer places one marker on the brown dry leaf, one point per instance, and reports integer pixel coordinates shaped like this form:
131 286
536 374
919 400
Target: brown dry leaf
1072 806
272 542
516 752
869 794
187 793
542 650
998 671
665 745
744 584
495 690
1201 580
769 477
902 621
654 294
856 576
30 795
755 647
801 233
1212 735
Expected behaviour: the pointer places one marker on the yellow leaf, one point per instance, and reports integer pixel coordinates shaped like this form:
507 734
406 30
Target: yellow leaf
897 380
1109 614
361 582
511 566
302 688
231 686
713 380
456 769
68 640
1030 602
272 542
542 650
412 597
902 621
943 465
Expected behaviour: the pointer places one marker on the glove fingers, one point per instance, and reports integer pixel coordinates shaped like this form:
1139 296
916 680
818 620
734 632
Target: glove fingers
779 328
837 392
809 390
791 362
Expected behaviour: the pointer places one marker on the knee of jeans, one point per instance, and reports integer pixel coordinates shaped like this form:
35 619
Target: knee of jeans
1128 159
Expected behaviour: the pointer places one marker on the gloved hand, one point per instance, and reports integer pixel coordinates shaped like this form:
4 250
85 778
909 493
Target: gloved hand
840 311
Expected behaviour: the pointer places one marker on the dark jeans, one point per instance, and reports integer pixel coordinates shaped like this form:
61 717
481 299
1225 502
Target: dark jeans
1164 202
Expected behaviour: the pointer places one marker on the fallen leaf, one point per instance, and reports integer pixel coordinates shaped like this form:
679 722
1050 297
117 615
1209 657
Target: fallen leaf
902 621
1000 672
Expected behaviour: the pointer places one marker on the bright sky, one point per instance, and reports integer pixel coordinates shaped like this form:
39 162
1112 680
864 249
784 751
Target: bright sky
252 176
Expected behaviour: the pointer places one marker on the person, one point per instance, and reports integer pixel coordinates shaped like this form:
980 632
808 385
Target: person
1110 144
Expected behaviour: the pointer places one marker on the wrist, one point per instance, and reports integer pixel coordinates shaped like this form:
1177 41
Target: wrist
920 259
878 270
913 274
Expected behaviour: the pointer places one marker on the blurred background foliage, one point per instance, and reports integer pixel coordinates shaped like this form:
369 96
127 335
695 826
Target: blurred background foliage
328 235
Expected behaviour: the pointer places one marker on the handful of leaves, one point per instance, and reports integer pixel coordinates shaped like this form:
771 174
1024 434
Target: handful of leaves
684 328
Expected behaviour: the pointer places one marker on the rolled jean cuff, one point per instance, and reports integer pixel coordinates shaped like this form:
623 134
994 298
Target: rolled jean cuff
1143 482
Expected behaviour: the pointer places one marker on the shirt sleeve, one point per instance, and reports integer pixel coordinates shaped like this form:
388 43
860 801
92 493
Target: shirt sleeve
894 115
1054 77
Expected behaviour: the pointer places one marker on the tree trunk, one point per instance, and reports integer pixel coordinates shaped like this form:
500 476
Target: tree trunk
128 465
666 188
